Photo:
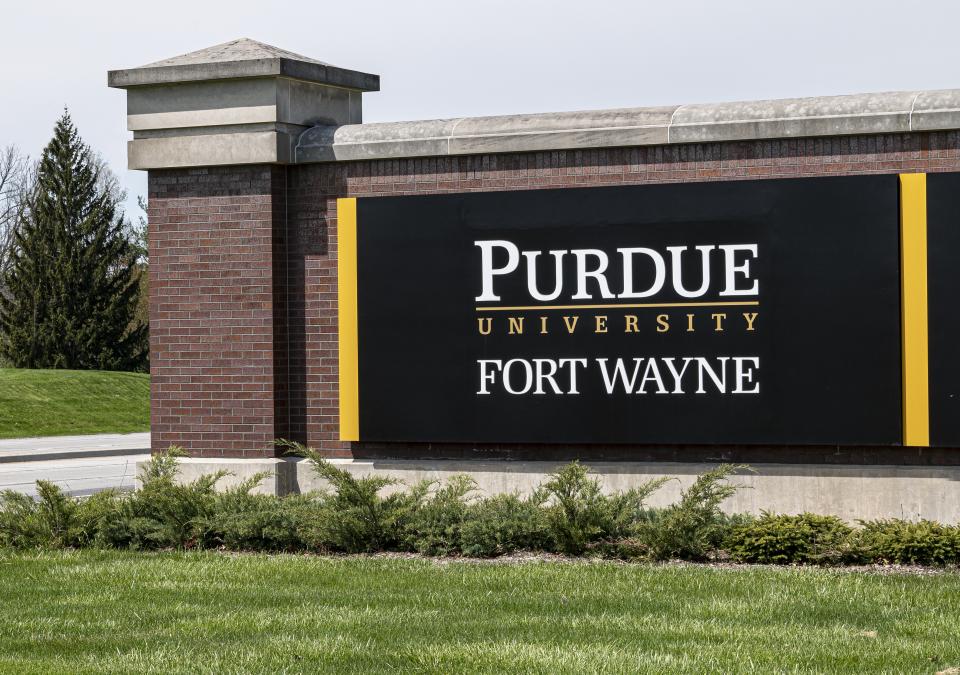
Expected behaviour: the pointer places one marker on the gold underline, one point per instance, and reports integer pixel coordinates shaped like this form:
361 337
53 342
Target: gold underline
736 303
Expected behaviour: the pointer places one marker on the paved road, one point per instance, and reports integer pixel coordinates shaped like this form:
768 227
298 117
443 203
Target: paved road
82 476
81 465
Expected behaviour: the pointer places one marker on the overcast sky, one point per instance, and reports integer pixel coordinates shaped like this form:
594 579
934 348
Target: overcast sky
450 58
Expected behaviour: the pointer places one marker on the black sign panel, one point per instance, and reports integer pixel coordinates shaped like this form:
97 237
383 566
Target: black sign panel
943 284
732 312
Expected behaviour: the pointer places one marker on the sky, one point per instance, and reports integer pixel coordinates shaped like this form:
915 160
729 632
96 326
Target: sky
449 59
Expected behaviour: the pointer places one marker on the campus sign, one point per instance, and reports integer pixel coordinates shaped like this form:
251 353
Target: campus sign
755 312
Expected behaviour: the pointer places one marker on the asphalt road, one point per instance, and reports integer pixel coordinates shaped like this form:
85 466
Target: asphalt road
80 465
82 476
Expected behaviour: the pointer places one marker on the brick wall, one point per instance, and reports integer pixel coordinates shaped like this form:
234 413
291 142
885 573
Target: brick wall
216 292
186 204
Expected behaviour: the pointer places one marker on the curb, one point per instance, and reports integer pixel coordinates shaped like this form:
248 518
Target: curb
70 454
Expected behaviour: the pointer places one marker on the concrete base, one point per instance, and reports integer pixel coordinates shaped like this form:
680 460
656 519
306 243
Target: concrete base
849 491
281 481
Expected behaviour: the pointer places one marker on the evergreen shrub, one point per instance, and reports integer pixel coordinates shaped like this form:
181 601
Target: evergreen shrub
781 539
903 542
569 513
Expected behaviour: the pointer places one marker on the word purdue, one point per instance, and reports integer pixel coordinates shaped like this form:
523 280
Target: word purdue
639 375
501 258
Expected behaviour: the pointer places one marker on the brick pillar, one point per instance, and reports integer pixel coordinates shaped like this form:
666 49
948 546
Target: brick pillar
217 130
217 310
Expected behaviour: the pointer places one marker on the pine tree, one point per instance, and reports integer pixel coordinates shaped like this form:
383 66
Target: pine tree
71 287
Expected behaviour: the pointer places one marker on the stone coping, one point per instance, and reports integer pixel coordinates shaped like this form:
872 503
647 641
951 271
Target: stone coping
878 113
275 67
239 59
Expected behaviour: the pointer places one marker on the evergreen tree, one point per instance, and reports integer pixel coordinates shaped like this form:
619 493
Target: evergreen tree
71 287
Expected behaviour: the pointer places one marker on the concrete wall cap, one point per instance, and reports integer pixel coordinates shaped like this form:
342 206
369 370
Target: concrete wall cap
876 113
241 58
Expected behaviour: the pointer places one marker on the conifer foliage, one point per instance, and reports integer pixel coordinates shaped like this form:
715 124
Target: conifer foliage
71 289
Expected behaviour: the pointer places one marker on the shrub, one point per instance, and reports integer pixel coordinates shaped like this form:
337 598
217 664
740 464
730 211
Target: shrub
358 518
162 513
568 513
18 523
904 542
93 516
580 514
433 526
53 517
49 521
503 524
574 516
695 525
265 522
779 539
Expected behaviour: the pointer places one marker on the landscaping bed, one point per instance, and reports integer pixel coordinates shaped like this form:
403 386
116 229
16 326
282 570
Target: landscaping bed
568 514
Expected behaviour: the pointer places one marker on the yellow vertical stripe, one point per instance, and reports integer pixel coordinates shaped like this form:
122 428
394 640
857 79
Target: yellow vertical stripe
347 327
913 276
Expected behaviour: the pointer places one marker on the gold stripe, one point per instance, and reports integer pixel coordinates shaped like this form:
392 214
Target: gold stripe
737 303
347 327
913 283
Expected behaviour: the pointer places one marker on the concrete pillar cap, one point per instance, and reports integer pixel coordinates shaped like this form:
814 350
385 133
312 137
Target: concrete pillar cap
241 58
241 102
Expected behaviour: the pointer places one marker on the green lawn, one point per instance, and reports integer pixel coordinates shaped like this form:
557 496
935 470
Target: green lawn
125 612
61 402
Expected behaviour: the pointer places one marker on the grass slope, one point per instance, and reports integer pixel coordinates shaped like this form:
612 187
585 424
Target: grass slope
125 612
61 402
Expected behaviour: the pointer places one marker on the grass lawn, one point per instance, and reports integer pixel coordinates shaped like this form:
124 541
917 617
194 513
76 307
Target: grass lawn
126 612
62 402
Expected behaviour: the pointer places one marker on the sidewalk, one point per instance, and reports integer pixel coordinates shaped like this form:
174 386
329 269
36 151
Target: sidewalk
73 447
